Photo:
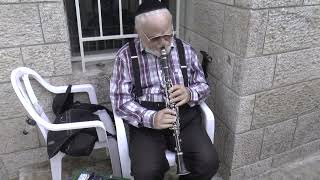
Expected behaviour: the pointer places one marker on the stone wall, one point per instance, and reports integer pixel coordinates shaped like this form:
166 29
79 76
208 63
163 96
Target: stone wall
33 33
264 77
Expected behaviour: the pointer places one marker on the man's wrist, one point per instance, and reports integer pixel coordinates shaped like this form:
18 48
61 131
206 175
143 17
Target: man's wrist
189 94
148 118
153 118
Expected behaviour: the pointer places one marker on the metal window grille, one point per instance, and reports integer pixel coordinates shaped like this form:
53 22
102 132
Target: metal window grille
101 37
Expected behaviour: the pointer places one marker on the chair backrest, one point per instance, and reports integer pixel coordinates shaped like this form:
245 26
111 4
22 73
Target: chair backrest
20 80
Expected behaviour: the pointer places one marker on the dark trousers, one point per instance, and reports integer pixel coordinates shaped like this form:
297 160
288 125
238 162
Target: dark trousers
147 149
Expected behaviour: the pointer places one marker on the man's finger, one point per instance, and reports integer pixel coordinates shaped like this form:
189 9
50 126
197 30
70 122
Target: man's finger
169 116
174 88
168 121
181 103
178 99
168 111
176 93
166 126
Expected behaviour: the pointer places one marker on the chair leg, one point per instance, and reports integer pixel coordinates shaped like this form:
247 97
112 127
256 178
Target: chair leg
114 156
56 166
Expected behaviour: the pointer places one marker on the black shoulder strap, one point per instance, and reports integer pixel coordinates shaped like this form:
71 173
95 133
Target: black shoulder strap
136 69
182 58
62 102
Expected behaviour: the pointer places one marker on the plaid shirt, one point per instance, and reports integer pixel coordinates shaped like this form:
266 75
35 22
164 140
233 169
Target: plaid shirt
122 82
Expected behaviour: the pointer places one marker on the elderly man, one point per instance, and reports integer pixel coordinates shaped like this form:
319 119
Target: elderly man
137 94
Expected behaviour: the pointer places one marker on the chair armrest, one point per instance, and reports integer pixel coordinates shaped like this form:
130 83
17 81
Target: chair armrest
75 125
88 88
208 119
122 146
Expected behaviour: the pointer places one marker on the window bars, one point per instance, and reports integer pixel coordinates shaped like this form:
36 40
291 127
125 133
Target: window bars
101 35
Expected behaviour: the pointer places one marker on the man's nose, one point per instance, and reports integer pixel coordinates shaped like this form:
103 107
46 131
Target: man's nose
163 42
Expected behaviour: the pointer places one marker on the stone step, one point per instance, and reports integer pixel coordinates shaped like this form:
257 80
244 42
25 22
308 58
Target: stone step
96 162
304 169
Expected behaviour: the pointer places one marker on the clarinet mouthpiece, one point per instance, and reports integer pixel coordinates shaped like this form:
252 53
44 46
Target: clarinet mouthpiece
163 51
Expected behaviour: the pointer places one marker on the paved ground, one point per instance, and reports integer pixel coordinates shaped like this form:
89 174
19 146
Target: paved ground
307 169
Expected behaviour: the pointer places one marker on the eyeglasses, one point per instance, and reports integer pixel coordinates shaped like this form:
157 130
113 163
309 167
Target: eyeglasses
167 36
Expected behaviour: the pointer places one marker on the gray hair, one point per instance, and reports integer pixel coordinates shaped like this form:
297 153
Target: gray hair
141 18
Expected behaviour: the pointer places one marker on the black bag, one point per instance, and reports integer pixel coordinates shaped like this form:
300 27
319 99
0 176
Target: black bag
79 142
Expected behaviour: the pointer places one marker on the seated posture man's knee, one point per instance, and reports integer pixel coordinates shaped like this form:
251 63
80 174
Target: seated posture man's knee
200 155
208 164
147 153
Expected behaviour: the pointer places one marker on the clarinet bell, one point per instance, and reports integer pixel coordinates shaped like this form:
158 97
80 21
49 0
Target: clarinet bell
181 168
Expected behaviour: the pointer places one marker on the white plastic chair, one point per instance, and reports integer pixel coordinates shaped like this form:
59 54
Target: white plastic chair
21 85
208 119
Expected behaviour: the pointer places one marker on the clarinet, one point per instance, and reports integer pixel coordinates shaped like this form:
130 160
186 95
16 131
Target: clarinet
181 169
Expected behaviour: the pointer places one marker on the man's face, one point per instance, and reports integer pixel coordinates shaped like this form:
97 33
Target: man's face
157 33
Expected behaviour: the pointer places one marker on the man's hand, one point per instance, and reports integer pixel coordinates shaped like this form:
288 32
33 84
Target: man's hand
179 94
164 119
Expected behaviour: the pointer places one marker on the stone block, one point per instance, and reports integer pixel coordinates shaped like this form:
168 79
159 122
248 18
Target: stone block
220 137
3 171
198 42
12 138
229 147
235 29
48 60
186 7
182 33
10 106
235 111
285 103
256 32
247 148
44 96
297 66
53 22
9 1
10 59
271 175
99 78
19 25
41 1
244 113
221 66
257 4
212 96
253 74
292 29
199 16
215 21
62 59
224 171
206 18
251 170
183 10
14 161
277 138
296 153
308 128
311 2
230 2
